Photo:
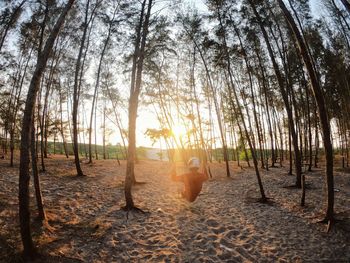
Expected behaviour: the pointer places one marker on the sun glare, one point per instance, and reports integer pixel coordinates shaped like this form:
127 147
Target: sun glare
179 130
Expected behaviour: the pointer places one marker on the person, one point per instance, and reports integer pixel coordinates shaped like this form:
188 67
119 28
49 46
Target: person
193 181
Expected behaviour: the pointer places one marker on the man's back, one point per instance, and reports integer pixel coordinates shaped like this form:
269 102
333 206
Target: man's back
193 182
193 185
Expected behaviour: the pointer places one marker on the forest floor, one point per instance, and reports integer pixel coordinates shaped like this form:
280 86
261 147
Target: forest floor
225 224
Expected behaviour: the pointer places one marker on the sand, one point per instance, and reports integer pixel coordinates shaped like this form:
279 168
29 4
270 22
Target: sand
225 224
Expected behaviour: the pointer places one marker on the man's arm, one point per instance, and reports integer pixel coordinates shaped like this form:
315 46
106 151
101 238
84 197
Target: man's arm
205 173
173 175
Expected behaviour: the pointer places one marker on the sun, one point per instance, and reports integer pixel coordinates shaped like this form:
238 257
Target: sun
179 130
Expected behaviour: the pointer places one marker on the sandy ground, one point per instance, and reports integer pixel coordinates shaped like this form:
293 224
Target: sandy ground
85 223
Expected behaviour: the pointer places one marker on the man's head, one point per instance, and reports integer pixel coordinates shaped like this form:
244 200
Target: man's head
194 164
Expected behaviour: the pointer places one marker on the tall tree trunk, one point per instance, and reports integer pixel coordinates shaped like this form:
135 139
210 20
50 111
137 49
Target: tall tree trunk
96 152
136 78
14 17
39 199
317 91
281 85
29 250
346 3
16 108
239 110
104 132
61 123
76 91
249 70
264 86
309 127
213 91
96 87
118 122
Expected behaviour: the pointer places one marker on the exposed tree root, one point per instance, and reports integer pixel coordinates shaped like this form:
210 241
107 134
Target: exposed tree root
139 183
133 209
329 221
293 186
266 200
31 256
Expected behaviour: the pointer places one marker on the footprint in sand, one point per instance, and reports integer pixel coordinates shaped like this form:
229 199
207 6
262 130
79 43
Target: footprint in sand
212 223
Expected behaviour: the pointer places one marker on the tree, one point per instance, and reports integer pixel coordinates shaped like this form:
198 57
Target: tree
317 92
192 29
111 24
88 18
29 250
136 78
346 4
8 20
281 85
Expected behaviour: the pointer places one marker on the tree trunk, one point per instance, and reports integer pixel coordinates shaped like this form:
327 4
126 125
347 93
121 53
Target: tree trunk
136 78
96 152
29 249
346 4
39 200
240 113
14 17
317 91
223 140
16 108
76 92
284 97
96 87
61 128
104 133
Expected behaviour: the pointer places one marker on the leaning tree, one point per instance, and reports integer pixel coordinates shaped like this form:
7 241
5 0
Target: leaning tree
29 250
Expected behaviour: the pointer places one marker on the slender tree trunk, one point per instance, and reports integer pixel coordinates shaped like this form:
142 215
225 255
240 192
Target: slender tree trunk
76 91
16 108
264 86
104 133
309 127
281 85
118 122
61 123
290 152
136 78
29 250
38 195
96 152
96 87
14 16
211 86
316 141
239 110
346 3
317 91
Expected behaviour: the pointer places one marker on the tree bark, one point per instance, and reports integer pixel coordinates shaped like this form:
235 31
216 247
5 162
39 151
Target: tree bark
76 89
14 16
136 79
284 97
210 82
317 92
29 249
239 110
61 128
38 195
346 4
